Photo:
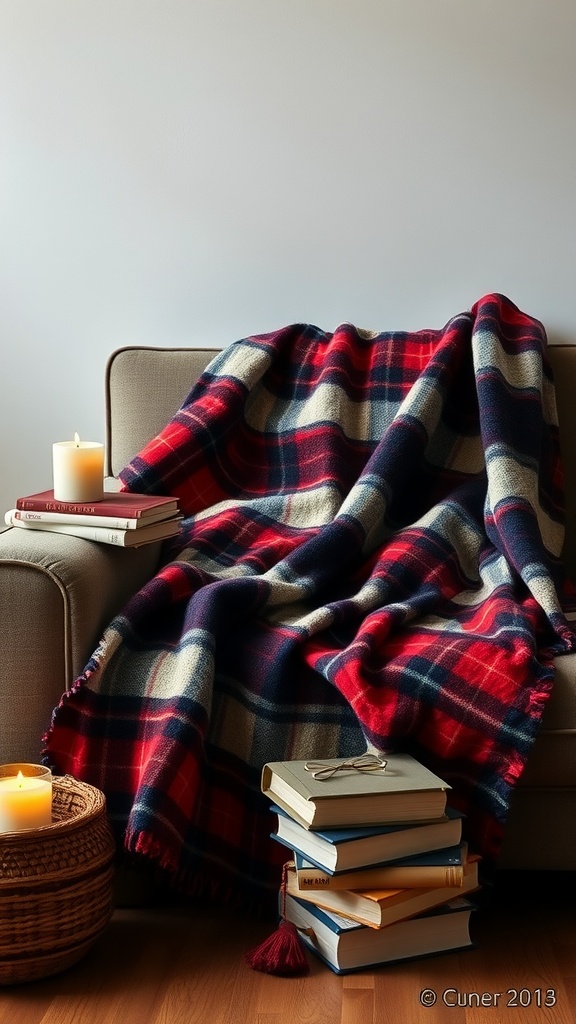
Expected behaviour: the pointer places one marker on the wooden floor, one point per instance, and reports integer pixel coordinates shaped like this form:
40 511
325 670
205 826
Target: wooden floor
182 965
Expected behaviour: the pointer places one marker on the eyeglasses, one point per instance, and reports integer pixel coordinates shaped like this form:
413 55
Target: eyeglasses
365 763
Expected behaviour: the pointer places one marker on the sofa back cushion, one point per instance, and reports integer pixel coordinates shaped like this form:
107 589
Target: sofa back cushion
144 388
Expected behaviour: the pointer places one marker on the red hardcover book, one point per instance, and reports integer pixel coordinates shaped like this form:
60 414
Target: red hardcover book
114 503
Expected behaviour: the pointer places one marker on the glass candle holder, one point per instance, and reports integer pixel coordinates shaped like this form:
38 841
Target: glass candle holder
25 797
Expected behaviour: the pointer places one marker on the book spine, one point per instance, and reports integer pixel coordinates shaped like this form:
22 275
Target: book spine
114 522
424 877
76 508
100 534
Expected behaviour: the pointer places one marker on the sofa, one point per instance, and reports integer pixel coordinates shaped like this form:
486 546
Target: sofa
57 593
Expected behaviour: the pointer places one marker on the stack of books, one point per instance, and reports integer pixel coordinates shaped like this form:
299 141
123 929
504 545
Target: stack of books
121 518
379 871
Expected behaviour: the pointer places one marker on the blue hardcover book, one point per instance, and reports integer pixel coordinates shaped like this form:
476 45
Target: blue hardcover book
345 945
342 849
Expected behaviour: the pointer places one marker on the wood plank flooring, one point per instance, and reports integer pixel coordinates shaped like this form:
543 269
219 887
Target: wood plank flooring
184 965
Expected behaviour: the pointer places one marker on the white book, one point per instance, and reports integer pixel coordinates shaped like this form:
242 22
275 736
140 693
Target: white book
103 535
84 519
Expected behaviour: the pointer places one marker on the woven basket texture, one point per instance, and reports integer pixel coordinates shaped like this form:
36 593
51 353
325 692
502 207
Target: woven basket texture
56 885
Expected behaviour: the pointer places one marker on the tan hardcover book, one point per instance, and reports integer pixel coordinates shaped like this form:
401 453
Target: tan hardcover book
403 791
440 868
378 908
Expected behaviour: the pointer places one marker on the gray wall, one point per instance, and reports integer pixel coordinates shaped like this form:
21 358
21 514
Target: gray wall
191 171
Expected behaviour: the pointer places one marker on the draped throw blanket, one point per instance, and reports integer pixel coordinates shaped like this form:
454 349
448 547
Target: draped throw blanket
370 557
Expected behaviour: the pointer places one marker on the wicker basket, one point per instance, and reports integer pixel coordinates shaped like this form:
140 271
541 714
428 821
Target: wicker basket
55 885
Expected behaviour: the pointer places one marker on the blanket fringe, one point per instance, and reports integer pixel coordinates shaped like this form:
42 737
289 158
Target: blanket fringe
205 884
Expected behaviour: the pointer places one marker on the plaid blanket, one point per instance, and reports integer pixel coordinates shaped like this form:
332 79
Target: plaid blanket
370 558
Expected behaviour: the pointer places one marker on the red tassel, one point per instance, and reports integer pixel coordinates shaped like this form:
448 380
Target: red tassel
282 952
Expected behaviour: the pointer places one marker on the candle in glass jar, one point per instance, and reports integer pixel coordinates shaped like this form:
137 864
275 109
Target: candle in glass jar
25 797
78 470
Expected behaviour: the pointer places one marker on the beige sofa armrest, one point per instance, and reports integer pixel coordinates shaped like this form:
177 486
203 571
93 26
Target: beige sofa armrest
57 594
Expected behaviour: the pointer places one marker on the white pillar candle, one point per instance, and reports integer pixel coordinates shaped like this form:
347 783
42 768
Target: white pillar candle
25 797
78 470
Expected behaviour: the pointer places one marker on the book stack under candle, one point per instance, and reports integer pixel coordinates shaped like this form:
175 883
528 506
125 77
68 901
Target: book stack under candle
121 518
379 870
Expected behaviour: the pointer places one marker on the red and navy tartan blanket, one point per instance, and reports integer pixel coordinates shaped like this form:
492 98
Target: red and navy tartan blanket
370 558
